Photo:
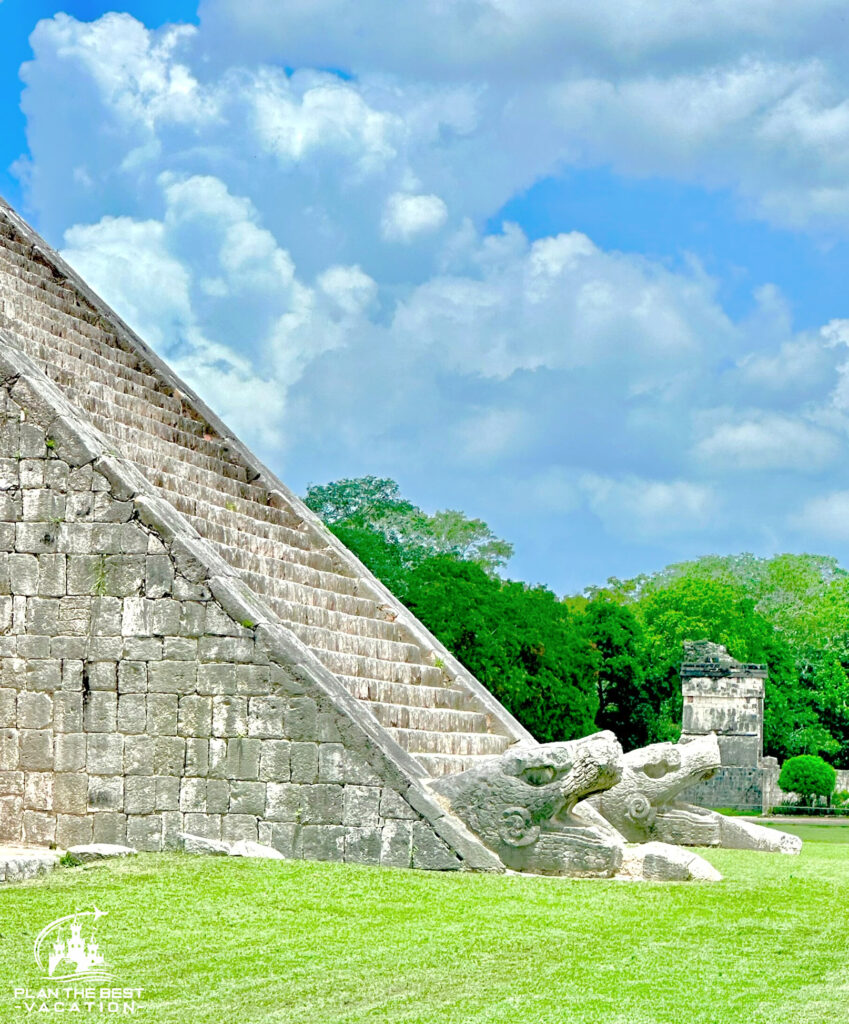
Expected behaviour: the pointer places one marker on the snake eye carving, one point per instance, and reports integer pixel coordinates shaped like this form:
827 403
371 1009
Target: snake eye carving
517 827
540 776
639 808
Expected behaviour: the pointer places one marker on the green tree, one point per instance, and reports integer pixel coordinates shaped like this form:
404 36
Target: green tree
375 504
364 500
617 638
809 776
697 606
790 611
523 644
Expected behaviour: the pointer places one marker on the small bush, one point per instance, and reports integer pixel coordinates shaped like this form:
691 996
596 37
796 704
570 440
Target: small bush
809 776
840 798
68 860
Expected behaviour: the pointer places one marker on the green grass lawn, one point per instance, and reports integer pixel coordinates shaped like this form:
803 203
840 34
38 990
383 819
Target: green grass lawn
221 940
815 831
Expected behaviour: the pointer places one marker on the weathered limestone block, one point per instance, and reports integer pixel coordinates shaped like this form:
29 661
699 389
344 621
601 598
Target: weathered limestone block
246 848
520 804
662 862
202 844
99 851
18 864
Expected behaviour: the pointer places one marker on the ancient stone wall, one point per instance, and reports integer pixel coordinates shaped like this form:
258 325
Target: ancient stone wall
725 697
429 704
143 692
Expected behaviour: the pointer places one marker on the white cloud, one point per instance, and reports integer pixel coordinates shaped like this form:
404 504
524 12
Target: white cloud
317 242
295 116
752 97
130 261
350 290
634 507
562 303
137 73
826 516
768 442
213 269
803 362
406 217
527 38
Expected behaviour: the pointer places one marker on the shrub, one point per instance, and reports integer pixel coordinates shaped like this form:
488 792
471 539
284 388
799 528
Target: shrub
809 776
840 798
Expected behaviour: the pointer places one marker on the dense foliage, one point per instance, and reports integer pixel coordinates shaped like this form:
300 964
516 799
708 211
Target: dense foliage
809 776
790 612
610 657
522 643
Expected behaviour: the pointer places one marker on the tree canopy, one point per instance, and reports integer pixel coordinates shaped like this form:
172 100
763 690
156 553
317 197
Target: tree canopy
808 776
610 658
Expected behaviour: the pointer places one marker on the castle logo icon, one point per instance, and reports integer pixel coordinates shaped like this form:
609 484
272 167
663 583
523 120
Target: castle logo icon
74 954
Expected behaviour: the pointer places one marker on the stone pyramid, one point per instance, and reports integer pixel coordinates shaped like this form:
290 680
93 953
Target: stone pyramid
184 645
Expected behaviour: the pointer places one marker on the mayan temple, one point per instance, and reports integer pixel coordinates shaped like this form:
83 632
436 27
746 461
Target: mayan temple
185 646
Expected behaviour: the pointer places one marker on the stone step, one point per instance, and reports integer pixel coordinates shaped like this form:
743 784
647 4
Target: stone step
231 535
274 568
416 741
294 614
256 512
138 408
53 305
102 381
375 668
202 510
355 643
407 694
437 765
400 716
202 468
160 439
297 593
39 331
135 416
276 523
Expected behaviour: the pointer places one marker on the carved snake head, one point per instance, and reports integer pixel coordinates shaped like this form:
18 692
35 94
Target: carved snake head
526 795
651 778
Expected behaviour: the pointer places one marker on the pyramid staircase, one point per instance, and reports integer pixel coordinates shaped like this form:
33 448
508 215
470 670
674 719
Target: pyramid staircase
421 696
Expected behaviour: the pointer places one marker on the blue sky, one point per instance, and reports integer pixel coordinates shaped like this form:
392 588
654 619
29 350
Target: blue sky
577 270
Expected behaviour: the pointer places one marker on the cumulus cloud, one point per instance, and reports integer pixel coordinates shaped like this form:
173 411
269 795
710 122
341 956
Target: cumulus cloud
324 246
230 312
826 516
562 303
745 96
635 507
406 216
769 442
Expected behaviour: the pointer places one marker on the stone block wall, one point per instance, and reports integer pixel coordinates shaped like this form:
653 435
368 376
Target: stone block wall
732 707
723 696
743 789
143 692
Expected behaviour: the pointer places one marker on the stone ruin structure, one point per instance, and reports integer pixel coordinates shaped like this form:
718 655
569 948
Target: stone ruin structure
186 650
726 697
